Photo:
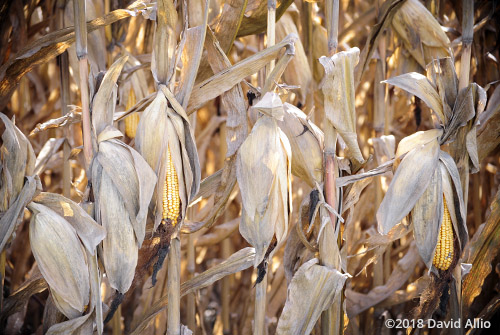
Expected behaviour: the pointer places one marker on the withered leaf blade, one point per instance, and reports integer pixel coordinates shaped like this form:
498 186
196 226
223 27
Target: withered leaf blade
90 233
226 79
70 118
79 326
339 93
18 157
15 212
422 35
409 183
427 215
239 261
165 40
60 257
103 105
417 84
312 290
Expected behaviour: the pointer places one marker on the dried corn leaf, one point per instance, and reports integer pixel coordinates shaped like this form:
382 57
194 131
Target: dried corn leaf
236 128
70 118
256 22
82 325
265 154
484 247
51 45
408 184
306 141
225 80
239 261
191 58
14 214
421 33
61 259
339 92
417 84
18 161
299 72
311 291
359 302
103 104
165 41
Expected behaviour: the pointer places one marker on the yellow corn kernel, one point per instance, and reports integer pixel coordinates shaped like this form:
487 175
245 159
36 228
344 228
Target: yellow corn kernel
171 198
444 249
131 121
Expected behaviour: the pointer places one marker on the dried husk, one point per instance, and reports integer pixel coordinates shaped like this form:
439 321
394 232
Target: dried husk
61 259
162 127
264 156
339 93
306 142
410 181
123 187
311 291
422 35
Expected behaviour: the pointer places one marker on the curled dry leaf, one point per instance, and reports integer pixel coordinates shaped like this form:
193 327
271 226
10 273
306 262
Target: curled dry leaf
311 291
306 142
265 155
339 91
17 180
61 259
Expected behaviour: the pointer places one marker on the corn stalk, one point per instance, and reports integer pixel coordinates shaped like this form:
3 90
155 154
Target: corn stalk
331 319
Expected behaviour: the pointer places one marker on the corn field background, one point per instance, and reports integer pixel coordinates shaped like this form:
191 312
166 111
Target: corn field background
249 166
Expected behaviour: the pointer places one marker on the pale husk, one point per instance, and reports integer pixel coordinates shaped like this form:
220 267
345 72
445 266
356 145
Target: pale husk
339 91
306 141
311 291
265 155
61 259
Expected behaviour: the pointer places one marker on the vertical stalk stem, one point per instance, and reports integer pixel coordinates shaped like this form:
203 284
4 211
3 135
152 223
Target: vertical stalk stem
332 319
174 288
271 31
260 307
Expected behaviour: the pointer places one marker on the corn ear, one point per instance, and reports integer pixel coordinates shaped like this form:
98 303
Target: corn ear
171 198
131 121
443 255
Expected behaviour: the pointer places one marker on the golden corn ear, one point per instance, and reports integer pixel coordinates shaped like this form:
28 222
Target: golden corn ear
131 121
171 198
444 249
